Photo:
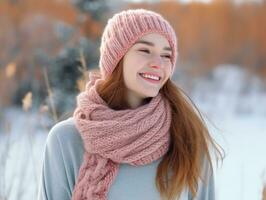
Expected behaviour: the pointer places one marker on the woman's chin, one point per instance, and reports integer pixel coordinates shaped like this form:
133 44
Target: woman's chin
151 94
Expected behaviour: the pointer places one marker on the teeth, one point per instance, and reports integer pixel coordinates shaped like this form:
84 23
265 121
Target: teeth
150 77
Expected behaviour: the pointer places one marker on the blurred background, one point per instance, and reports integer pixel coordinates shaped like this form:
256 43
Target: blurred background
46 48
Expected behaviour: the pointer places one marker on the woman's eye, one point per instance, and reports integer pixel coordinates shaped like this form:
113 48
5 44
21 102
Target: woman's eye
144 50
167 56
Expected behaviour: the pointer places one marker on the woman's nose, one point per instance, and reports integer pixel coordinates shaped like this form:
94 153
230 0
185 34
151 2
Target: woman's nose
156 62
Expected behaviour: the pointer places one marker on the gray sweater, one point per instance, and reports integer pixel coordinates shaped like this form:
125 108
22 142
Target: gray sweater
63 157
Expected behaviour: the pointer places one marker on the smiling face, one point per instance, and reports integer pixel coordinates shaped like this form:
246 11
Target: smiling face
147 66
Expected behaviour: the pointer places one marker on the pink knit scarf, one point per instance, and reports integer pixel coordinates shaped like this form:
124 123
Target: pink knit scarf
110 137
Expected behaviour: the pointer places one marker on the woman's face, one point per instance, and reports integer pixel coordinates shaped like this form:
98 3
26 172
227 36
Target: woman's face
147 66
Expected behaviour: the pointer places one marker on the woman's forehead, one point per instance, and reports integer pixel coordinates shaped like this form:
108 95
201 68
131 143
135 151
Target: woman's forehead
154 39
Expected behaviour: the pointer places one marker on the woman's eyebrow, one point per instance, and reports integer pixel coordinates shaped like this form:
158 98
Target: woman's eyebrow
151 44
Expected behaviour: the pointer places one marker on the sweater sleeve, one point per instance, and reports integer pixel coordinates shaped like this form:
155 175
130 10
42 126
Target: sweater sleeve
61 162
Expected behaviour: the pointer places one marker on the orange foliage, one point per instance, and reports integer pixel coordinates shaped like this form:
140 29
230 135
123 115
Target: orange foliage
60 10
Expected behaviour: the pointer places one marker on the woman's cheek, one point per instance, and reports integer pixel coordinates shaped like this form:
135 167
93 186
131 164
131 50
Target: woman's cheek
141 58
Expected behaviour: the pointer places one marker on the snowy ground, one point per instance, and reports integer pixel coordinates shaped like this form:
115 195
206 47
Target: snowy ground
21 151
241 175
235 102
237 109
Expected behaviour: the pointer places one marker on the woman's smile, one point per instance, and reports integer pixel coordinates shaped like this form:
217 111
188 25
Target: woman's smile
150 78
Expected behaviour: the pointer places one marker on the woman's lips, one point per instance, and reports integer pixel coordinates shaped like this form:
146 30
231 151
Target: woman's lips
150 80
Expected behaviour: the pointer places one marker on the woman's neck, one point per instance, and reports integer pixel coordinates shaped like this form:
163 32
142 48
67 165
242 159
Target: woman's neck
135 101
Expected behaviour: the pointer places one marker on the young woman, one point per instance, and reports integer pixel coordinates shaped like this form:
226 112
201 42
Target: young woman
134 135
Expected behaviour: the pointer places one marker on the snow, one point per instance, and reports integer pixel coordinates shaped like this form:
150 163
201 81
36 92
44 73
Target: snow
234 102
231 100
21 151
241 174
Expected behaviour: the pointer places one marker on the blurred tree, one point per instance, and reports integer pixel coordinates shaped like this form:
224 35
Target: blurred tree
97 9
49 34
64 72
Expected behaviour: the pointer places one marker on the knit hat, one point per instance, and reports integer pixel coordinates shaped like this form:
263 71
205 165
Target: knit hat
124 29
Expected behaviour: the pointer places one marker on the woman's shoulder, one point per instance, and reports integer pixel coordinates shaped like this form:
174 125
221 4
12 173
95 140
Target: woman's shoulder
63 156
65 136
64 131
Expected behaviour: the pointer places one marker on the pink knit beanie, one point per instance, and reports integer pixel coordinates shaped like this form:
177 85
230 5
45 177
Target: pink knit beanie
124 29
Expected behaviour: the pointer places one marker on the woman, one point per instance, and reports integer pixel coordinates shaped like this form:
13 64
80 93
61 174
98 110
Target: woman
133 135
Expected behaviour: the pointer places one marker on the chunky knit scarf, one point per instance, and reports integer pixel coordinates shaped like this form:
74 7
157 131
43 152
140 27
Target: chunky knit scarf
110 137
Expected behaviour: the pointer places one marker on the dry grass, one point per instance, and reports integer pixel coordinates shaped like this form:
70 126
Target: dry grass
27 101
50 95
11 69
81 83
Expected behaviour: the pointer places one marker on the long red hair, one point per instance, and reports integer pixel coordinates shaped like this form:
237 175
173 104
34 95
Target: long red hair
190 138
